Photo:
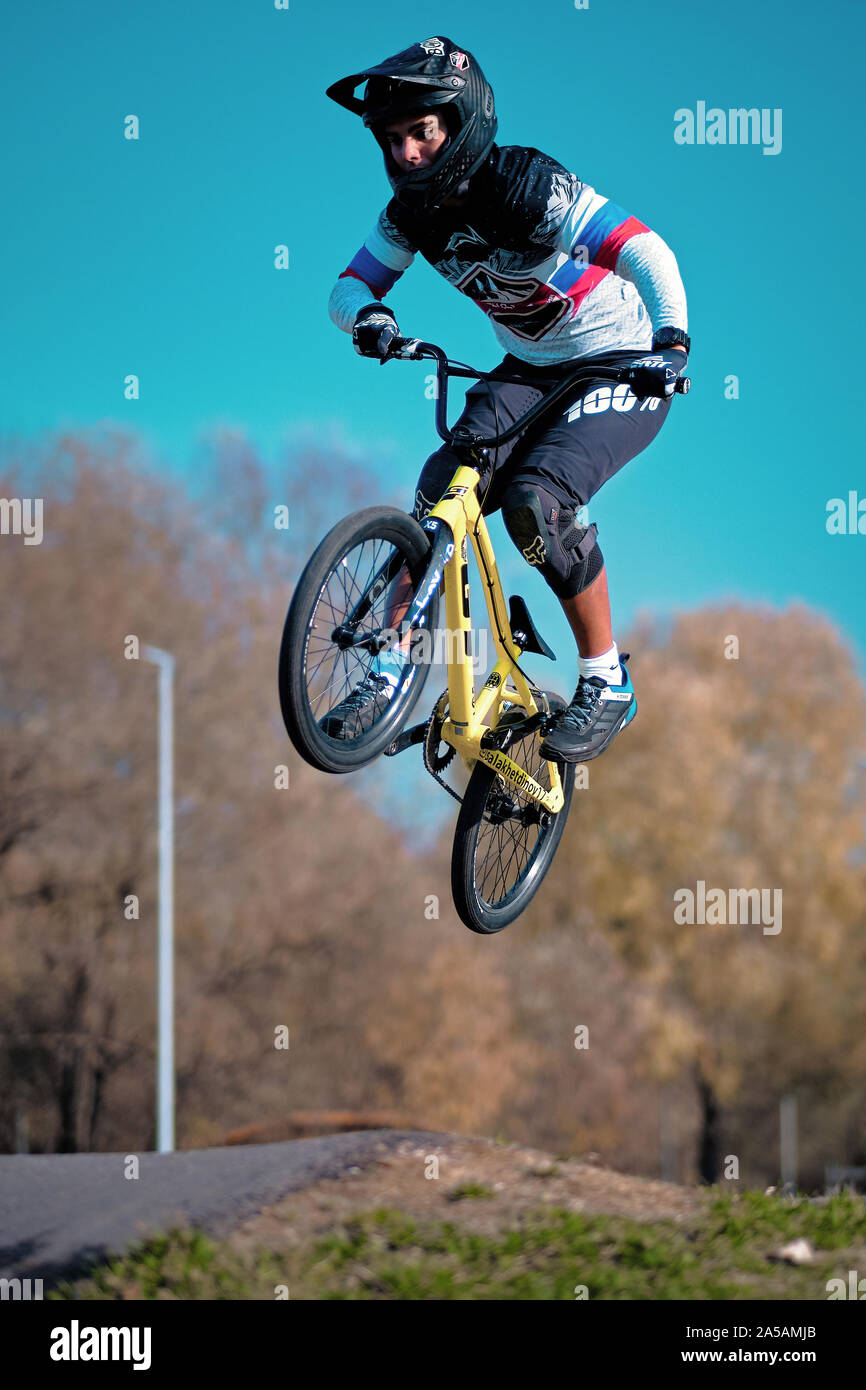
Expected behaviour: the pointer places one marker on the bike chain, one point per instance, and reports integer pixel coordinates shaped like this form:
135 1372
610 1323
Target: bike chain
434 761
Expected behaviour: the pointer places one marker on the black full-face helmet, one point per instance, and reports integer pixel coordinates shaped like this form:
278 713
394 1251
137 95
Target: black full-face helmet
429 74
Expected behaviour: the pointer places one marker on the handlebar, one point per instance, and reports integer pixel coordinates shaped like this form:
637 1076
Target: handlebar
414 350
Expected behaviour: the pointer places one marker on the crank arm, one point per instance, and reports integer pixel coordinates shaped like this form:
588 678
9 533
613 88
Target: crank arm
504 733
407 739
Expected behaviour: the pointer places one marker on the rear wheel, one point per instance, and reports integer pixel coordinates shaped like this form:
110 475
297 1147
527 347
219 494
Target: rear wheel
504 842
334 626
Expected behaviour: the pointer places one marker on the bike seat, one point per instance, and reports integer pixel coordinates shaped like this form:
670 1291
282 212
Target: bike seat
523 629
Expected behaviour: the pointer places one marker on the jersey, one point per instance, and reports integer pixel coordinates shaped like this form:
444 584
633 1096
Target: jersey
561 271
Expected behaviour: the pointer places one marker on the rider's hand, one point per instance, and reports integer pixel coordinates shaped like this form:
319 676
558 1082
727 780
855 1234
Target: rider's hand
375 329
656 373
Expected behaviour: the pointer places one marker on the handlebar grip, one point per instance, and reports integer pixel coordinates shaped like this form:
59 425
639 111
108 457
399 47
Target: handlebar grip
644 384
404 347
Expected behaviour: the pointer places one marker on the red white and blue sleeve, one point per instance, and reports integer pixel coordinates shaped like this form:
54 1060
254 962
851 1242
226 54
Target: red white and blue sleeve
601 237
371 272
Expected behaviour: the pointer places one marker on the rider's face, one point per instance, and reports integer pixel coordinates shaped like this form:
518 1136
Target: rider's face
415 141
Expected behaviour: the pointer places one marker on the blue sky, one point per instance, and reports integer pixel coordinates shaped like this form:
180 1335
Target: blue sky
156 256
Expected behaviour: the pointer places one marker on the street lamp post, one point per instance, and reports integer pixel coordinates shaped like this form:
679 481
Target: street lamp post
165 937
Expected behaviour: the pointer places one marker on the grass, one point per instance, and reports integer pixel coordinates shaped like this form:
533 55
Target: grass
548 1254
469 1189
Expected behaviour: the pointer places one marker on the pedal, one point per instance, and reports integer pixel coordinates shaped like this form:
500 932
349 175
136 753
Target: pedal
407 739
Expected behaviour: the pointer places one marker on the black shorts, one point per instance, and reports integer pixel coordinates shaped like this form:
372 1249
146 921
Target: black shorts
571 453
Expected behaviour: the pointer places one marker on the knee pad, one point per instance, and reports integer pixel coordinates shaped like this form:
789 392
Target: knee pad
548 537
423 505
435 477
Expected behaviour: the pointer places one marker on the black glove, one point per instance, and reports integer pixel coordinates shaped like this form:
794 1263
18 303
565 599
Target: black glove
656 374
374 331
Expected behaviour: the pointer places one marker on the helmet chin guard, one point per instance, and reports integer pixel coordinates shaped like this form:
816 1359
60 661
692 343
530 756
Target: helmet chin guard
428 75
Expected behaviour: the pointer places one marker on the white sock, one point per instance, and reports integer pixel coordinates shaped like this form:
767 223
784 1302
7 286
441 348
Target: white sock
390 664
606 667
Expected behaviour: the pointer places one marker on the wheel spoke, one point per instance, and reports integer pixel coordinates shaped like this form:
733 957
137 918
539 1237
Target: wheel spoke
330 672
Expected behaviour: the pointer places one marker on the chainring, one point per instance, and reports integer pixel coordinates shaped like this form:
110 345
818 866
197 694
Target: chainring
434 761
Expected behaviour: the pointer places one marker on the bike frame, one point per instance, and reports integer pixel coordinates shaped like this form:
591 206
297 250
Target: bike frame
460 511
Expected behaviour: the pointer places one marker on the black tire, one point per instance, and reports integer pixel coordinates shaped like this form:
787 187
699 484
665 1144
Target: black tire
493 874
385 532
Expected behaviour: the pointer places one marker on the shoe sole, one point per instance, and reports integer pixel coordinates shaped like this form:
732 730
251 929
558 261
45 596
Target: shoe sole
339 730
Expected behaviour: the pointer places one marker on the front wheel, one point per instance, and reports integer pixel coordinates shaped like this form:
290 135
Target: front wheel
504 842
334 628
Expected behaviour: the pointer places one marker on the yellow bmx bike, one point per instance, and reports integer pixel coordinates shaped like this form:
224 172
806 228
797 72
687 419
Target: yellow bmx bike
375 584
